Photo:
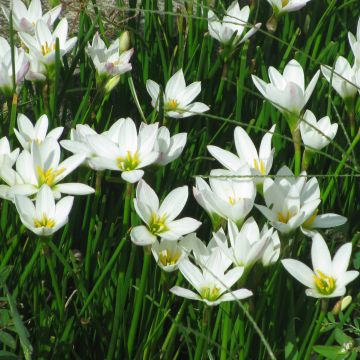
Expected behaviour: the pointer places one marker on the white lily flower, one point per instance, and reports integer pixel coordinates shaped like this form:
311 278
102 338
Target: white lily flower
25 19
284 6
313 131
177 97
42 166
169 148
122 149
247 246
355 43
232 26
6 72
289 201
45 217
28 133
328 278
7 157
287 92
160 219
43 44
109 61
212 282
260 163
342 78
230 195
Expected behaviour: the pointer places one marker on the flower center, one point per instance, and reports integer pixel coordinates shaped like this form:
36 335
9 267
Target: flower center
311 219
259 166
284 2
325 284
49 176
167 258
284 217
157 224
44 222
210 293
129 162
172 104
46 49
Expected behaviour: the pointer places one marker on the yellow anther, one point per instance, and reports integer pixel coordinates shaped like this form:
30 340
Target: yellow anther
284 2
172 104
210 293
259 167
157 224
284 218
231 200
325 284
46 49
129 162
167 258
44 222
311 219
49 176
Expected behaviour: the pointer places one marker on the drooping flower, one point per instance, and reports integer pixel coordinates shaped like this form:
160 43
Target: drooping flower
211 281
232 26
28 133
169 148
259 162
25 19
177 97
329 277
317 134
160 219
45 217
355 43
287 92
284 6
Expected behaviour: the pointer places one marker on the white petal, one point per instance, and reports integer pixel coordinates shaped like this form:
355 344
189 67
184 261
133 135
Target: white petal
174 203
141 236
320 255
299 271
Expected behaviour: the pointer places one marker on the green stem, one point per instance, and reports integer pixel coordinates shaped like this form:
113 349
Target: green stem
225 330
297 147
204 336
306 159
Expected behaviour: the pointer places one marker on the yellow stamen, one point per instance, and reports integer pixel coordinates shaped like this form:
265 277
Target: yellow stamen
157 224
284 2
44 222
311 219
210 293
46 49
231 200
284 218
49 176
260 167
325 284
172 104
129 162
167 258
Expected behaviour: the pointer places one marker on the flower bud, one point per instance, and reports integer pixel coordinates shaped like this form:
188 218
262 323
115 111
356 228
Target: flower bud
124 41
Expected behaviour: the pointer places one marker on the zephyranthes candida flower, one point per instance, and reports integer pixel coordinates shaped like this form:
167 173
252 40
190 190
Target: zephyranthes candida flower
328 278
232 26
44 217
160 219
355 43
7 157
284 6
178 97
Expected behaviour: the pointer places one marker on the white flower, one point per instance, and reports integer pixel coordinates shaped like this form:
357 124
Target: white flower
37 70
43 44
342 78
328 277
313 131
45 217
284 6
122 149
160 219
169 148
247 246
212 282
259 163
7 157
230 195
289 201
42 166
28 133
25 19
355 43
287 92
177 97
232 26
109 61
6 73
271 251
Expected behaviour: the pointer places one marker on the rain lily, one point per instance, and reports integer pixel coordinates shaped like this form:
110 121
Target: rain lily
122 149
25 19
342 78
212 281
108 61
43 44
160 219
355 43
259 163
177 97
328 278
169 148
247 245
231 28
287 92
317 134
284 6
6 73
7 157
28 133
230 194
45 217
42 166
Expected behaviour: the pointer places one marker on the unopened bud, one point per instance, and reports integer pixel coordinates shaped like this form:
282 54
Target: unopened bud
112 83
341 305
124 41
